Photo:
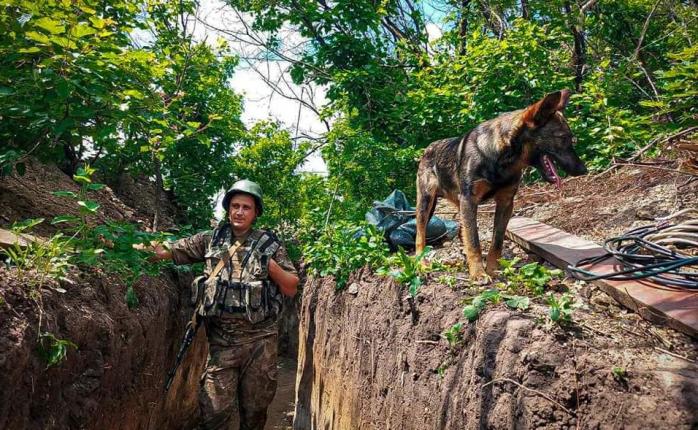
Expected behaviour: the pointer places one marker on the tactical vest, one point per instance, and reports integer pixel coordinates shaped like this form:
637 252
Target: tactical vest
242 288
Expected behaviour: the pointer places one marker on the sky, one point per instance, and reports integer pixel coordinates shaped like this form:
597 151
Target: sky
260 101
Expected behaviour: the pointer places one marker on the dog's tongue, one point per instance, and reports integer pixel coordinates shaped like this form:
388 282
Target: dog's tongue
550 170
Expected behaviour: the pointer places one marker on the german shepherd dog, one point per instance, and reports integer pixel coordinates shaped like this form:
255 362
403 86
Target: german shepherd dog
488 162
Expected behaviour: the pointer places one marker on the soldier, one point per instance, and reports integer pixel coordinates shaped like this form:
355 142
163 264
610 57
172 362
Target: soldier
247 270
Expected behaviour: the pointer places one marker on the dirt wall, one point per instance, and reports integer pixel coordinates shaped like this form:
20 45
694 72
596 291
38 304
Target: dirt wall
114 379
364 365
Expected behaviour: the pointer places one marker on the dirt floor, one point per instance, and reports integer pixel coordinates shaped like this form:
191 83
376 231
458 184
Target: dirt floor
280 412
364 364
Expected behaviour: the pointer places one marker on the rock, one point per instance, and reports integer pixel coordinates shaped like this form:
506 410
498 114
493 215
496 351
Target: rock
353 288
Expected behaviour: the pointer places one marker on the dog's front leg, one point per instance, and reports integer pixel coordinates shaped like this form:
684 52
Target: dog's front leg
471 241
505 206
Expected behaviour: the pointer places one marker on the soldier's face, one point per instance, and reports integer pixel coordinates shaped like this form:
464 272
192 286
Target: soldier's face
242 212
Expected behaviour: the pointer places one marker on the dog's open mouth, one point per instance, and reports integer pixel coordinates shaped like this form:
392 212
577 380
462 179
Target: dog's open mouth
550 172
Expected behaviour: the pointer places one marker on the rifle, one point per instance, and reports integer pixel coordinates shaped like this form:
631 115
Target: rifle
189 334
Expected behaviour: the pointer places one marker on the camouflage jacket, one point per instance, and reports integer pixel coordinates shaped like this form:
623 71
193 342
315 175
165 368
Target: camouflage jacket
236 327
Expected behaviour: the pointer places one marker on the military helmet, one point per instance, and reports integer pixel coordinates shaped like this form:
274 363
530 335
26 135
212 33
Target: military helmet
244 186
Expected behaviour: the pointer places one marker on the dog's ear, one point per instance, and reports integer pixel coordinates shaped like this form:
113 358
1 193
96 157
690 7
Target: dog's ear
540 112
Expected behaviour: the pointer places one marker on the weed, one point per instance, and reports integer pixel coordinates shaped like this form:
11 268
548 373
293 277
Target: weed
108 245
560 309
407 269
453 334
131 298
477 304
343 248
52 349
50 258
532 277
87 208
518 302
448 280
619 373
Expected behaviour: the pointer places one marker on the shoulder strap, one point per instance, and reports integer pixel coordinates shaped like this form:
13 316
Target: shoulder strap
221 262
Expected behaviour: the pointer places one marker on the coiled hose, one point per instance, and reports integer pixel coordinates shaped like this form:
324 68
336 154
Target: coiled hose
645 254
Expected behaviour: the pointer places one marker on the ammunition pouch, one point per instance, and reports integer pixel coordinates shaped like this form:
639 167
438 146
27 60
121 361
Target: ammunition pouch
253 297
250 300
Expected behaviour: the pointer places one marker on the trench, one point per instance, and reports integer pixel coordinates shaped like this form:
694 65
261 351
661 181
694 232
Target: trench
360 360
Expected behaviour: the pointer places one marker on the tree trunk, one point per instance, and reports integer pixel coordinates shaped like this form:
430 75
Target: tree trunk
463 27
494 22
158 190
579 50
70 165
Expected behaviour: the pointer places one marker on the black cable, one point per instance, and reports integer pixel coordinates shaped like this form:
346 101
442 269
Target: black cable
642 259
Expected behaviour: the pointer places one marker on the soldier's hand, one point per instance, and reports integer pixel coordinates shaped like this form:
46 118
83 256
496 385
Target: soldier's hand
161 251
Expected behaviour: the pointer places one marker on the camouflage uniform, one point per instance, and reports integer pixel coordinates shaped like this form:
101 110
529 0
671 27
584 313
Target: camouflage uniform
240 377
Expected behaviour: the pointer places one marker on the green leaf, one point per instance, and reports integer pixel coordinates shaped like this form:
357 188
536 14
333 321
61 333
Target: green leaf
38 37
471 312
82 179
95 187
554 313
415 283
64 194
88 10
6 91
134 94
53 350
31 50
64 218
89 205
97 23
518 302
50 25
131 298
492 295
82 30
63 90
64 42
27 224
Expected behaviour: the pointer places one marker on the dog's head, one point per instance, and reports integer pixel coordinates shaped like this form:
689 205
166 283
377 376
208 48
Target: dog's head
543 126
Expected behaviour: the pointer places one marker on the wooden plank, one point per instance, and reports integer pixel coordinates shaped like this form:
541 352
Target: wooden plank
677 308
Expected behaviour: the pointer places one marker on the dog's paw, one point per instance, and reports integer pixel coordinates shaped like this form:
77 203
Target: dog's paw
480 279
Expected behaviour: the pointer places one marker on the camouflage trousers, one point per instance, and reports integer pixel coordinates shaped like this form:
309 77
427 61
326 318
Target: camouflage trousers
238 385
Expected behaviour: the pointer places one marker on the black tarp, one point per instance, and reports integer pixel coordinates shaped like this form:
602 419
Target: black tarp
396 219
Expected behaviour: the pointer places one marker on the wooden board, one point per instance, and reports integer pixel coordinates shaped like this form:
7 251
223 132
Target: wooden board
677 308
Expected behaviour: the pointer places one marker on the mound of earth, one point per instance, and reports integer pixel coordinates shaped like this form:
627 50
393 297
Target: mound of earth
365 362
30 196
